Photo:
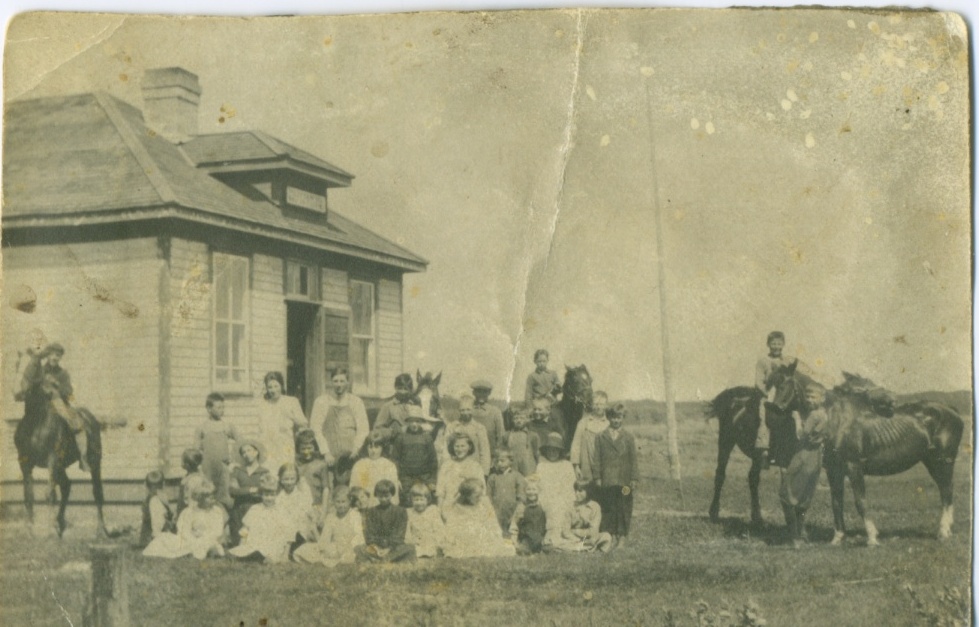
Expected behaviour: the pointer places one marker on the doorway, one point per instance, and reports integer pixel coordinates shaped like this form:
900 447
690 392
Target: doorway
300 352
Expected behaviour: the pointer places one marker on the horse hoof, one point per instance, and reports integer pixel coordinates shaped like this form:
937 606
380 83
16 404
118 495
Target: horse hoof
837 539
873 544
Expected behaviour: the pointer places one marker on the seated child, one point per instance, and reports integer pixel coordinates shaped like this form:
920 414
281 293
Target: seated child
296 503
313 470
265 533
460 466
529 524
557 479
581 528
368 471
506 488
385 525
244 485
343 532
158 517
523 444
191 461
471 528
413 452
201 528
425 528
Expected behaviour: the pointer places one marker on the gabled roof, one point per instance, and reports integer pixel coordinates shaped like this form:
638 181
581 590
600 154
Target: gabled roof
91 159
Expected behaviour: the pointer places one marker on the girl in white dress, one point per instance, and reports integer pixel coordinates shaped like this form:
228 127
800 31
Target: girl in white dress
201 528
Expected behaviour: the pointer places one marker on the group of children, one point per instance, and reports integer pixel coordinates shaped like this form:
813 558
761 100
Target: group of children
422 489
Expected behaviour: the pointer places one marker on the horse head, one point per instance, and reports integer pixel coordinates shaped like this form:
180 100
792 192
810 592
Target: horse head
577 385
789 388
427 393
865 395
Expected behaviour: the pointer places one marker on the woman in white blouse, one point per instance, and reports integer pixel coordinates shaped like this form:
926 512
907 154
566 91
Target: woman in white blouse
280 418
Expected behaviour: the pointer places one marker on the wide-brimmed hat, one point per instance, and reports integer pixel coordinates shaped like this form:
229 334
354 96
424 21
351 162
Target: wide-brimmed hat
258 446
553 440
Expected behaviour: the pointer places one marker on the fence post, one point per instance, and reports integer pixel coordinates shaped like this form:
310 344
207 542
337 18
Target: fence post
110 595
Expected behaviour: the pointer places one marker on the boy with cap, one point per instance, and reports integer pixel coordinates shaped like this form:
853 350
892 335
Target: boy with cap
487 415
413 452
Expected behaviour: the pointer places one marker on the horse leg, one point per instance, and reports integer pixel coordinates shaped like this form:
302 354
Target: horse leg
27 472
99 494
855 472
941 472
724 447
837 478
64 483
754 479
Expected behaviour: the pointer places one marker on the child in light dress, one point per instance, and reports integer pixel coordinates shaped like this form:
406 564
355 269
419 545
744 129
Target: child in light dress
581 529
556 478
158 517
343 531
201 528
265 532
426 530
471 528
368 471
296 502
190 461
462 465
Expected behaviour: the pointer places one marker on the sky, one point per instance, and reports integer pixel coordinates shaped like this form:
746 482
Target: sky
811 169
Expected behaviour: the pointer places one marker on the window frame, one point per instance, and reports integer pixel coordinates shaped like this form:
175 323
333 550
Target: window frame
370 385
229 385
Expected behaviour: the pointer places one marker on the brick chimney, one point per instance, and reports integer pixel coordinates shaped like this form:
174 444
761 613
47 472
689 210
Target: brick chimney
170 99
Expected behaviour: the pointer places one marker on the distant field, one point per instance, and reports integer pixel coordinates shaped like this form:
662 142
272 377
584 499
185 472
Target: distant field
675 560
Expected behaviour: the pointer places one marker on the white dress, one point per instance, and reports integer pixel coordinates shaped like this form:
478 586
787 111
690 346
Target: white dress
198 531
337 542
473 531
265 530
556 492
298 511
277 423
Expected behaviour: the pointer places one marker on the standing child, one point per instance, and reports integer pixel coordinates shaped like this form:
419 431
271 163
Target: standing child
158 517
617 471
217 439
523 444
368 471
425 528
200 528
556 477
800 479
314 471
487 414
343 532
246 484
471 529
385 525
461 466
506 488
542 383
190 461
529 524
583 445
474 430
265 532
544 421
413 452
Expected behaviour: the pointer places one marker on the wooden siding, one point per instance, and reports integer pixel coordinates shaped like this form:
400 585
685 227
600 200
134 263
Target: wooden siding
101 301
390 340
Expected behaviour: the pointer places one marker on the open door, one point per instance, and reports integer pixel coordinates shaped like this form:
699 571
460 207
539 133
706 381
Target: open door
301 351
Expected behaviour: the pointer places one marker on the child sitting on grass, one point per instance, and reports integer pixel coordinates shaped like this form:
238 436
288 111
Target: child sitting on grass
265 533
342 533
425 528
296 503
471 529
201 528
191 461
313 470
581 530
506 488
458 468
368 471
385 525
158 517
529 524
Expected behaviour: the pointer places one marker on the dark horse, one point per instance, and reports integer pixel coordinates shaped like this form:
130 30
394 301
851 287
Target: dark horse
44 440
866 436
736 410
576 396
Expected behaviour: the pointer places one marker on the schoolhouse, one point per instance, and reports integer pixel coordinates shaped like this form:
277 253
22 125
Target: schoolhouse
171 263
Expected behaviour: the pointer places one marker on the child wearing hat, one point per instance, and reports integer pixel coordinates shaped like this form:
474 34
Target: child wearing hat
200 528
475 431
505 488
542 383
617 471
523 443
556 478
457 469
393 415
487 414
385 525
245 483
413 452
471 528
529 523
368 471
158 517
426 530
265 531
216 439
343 532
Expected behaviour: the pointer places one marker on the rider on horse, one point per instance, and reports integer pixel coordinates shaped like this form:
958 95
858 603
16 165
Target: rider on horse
45 380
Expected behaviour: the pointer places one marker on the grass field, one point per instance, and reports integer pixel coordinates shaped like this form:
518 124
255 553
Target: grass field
678 568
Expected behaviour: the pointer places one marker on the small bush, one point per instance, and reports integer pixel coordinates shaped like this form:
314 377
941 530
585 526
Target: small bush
951 609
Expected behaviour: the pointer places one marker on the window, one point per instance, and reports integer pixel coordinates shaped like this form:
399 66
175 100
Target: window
302 280
230 365
362 335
